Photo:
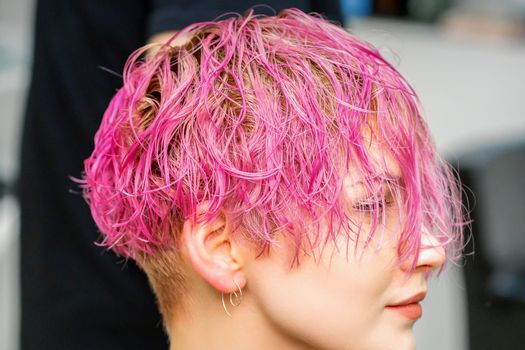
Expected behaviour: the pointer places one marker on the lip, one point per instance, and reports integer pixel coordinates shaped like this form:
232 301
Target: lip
409 308
416 298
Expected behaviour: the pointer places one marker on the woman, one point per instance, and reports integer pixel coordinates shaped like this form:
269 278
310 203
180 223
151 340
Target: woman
275 180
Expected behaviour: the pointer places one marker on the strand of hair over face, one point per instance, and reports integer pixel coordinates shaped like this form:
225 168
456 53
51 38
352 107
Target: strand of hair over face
261 118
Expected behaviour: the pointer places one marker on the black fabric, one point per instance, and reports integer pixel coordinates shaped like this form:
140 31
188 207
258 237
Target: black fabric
185 12
76 295
495 320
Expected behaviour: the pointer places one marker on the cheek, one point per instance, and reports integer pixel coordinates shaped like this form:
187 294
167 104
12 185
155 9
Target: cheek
333 303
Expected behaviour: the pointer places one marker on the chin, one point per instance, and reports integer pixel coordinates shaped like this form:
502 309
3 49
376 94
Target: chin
400 341
404 340
407 341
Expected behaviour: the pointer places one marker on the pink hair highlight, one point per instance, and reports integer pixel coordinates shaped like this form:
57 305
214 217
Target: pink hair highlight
260 117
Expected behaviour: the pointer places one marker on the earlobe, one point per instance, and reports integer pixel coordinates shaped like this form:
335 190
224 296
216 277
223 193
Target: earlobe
213 253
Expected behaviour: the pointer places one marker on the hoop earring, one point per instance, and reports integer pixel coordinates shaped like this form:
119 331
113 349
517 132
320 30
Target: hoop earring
235 299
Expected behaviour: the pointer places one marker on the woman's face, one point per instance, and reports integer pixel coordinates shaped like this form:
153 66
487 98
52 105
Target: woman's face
345 301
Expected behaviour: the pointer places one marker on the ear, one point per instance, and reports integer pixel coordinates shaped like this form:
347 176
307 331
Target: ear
213 253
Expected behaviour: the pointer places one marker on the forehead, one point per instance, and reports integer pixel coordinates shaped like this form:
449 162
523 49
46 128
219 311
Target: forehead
383 166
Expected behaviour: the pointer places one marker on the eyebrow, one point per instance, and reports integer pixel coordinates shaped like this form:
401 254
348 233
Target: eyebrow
383 177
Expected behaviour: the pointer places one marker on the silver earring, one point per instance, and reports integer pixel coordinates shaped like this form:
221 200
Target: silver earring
235 299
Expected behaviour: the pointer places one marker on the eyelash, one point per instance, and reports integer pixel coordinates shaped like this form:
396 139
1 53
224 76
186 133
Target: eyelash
369 205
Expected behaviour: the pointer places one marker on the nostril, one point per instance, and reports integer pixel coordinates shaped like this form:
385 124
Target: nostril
433 256
432 253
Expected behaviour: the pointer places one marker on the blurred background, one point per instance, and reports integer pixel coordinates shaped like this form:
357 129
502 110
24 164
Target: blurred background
466 59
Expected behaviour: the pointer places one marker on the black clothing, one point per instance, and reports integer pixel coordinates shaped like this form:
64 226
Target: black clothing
76 295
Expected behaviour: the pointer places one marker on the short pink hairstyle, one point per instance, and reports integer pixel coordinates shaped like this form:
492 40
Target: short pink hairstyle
261 117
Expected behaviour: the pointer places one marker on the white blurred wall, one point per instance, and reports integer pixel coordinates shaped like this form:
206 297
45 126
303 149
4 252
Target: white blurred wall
472 89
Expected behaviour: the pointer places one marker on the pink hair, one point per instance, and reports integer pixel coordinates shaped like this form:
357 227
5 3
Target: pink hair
260 117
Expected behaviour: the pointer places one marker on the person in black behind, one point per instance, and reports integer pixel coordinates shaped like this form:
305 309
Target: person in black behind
74 296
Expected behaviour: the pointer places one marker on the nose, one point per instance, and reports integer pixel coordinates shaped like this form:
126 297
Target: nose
431 254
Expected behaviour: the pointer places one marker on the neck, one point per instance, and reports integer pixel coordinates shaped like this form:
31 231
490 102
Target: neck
205 325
